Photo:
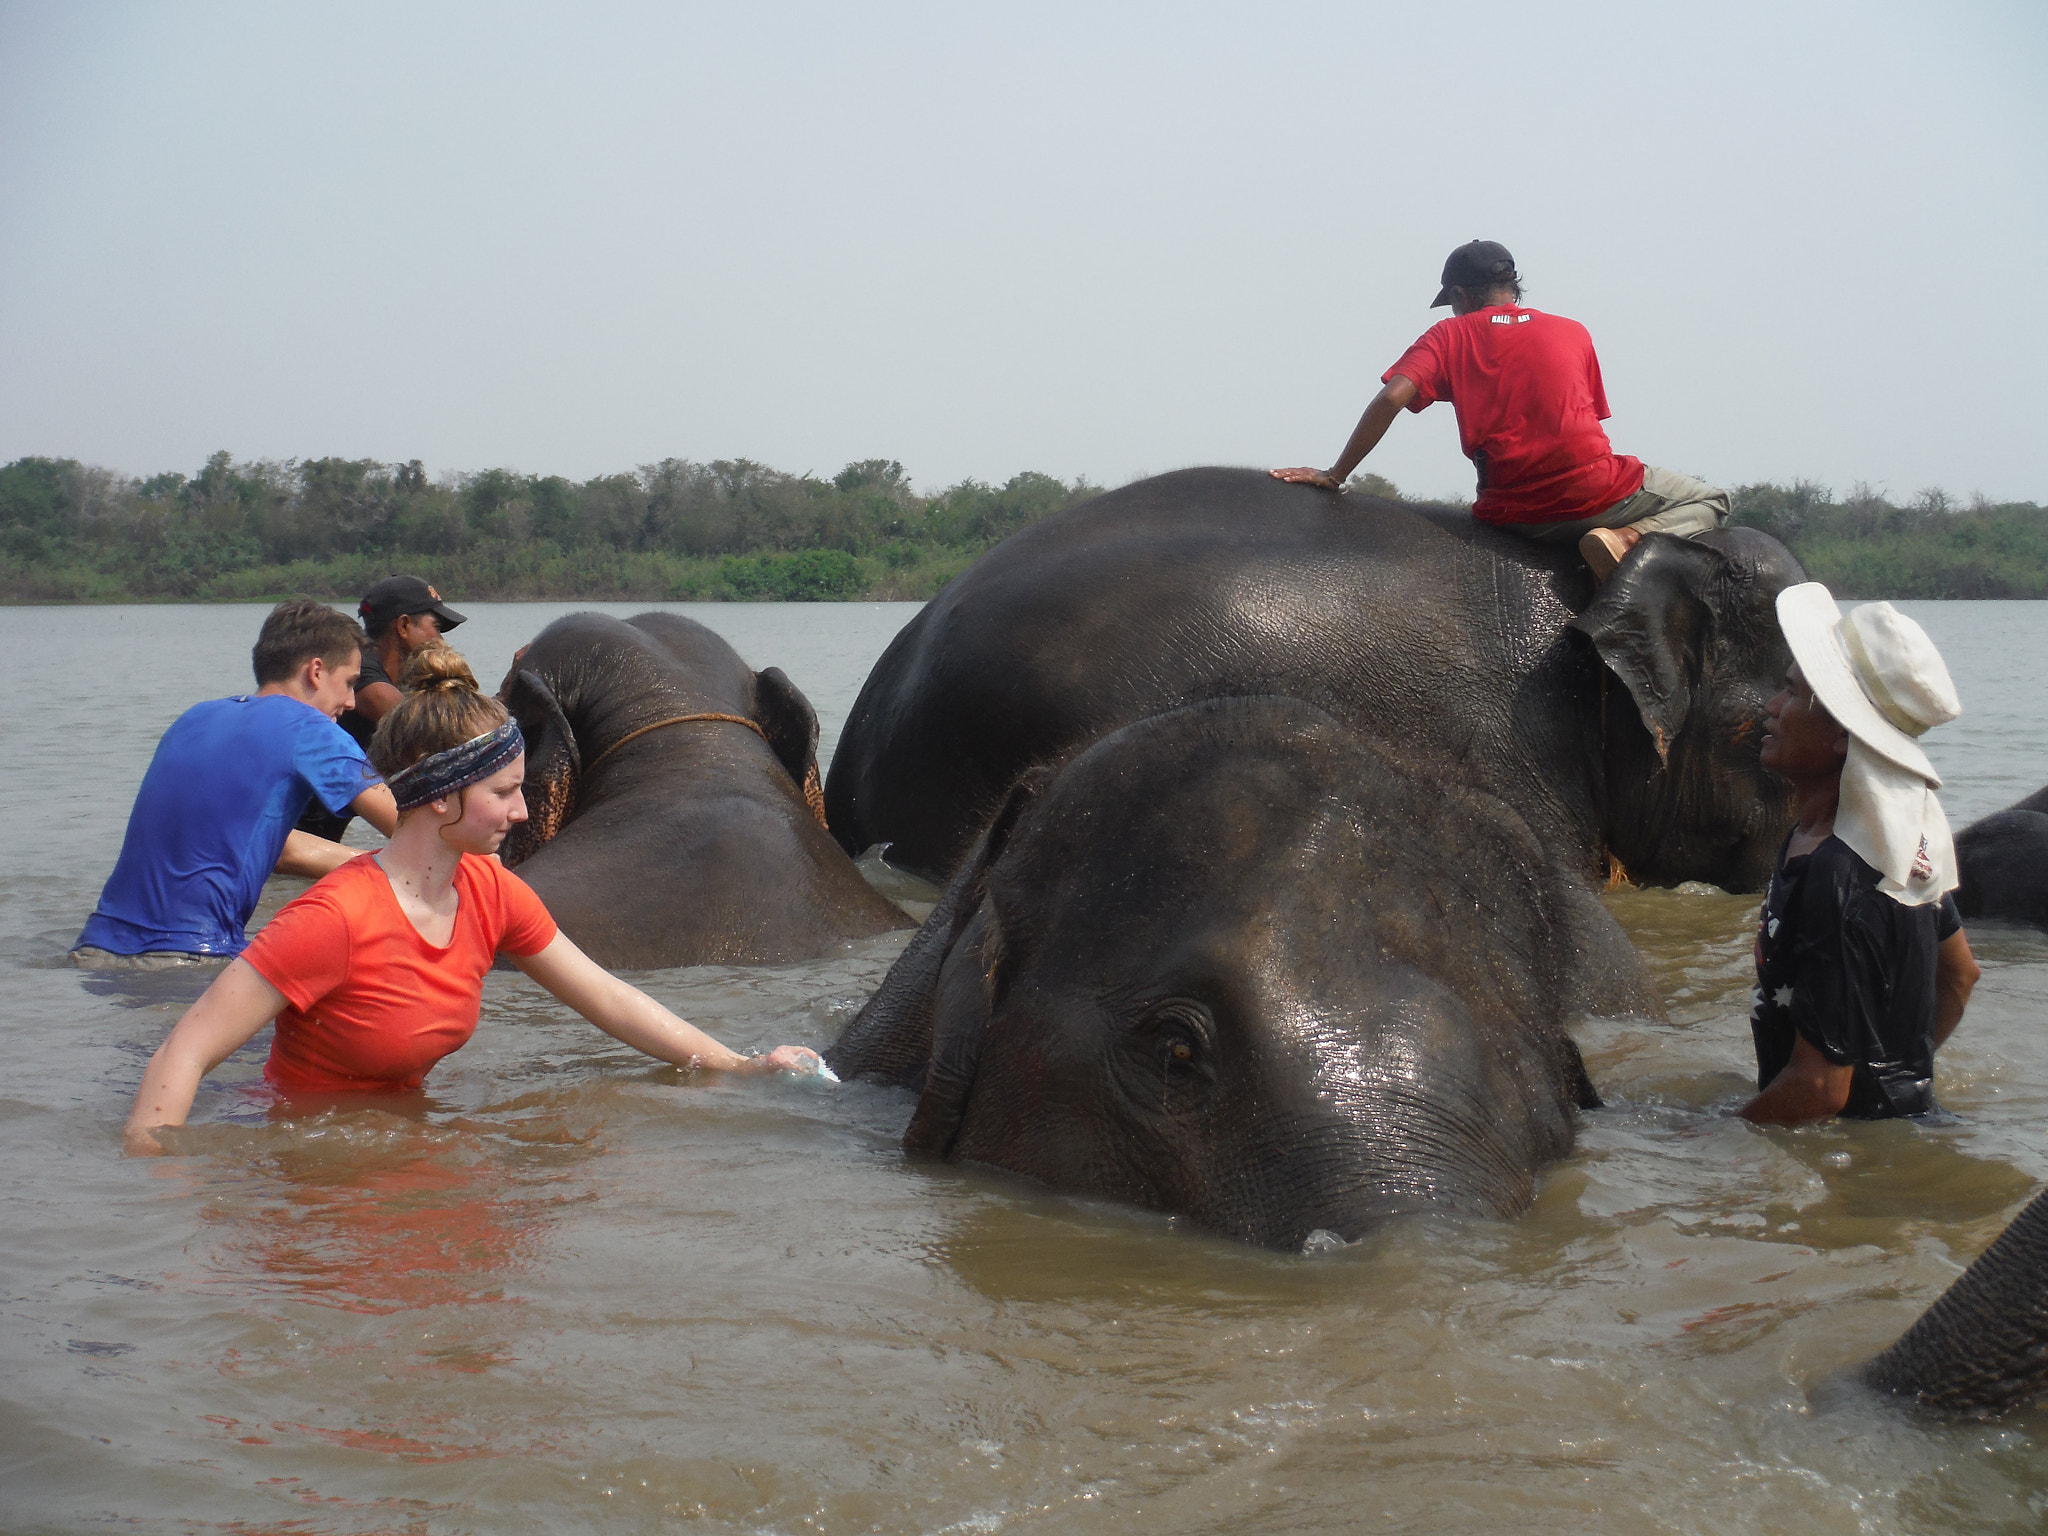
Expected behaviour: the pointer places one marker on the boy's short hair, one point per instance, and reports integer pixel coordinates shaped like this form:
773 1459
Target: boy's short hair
299 629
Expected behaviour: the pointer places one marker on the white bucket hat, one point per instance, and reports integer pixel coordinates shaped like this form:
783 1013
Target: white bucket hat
1881 678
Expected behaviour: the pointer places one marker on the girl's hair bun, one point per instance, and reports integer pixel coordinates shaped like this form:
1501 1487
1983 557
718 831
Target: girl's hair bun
442 708
434 668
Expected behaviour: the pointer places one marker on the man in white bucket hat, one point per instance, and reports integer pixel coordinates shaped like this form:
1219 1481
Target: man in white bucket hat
1862 965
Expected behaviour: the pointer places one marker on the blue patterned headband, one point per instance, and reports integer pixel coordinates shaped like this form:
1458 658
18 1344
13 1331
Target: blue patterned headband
443 773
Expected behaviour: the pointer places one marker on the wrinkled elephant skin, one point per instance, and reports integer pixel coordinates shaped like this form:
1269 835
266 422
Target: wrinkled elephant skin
1982 1348
1232 962
1623 723
658 842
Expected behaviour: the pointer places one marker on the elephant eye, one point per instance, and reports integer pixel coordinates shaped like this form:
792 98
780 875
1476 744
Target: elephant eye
1180 1033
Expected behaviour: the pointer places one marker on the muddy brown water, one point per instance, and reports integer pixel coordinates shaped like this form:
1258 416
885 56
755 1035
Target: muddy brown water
566 1289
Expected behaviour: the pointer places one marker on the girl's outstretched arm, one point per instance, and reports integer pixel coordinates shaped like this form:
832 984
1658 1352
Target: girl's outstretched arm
626 1013
227 1015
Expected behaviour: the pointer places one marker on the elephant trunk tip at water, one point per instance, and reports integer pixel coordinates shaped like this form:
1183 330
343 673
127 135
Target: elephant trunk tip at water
1982 1349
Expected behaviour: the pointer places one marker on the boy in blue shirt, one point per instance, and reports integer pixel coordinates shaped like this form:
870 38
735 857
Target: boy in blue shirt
215 812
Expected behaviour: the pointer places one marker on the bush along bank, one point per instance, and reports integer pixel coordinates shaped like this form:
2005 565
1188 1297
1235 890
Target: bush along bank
734 530
1866 546
674 531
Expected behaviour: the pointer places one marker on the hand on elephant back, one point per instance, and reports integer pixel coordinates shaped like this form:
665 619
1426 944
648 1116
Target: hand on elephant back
1303 475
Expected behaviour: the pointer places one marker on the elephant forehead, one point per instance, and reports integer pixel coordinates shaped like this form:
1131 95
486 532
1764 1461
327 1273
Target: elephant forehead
1266 984
1410 1036
1293 949
1257 846
611 675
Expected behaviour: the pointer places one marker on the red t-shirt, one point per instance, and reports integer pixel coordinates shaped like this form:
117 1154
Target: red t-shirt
1527 390
374 1005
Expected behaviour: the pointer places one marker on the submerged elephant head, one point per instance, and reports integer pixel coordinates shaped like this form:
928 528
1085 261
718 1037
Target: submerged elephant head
673 817
1232 963
1689 629
588 682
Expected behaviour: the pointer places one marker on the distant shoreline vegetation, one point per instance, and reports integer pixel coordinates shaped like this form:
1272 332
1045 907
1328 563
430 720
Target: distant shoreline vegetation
734 530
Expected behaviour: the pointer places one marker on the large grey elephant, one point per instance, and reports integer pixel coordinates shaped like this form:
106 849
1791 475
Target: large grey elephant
665 789
1235 963
1232 962
2002 861
1623 724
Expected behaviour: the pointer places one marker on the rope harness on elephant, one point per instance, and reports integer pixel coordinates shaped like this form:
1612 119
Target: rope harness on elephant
814 791
1617 876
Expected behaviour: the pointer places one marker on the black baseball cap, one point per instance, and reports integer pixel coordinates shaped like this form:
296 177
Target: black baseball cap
1475 264
400 597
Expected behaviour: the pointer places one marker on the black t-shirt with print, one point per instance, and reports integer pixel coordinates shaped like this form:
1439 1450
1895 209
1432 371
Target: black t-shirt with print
1852 970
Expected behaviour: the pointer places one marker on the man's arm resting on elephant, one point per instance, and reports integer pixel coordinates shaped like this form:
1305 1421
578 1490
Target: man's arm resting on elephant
227 1015
1809 1088
626 1013
1955 974
1394 397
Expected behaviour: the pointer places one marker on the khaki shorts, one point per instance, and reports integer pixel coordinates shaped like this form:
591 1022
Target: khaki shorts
1668 503
86 958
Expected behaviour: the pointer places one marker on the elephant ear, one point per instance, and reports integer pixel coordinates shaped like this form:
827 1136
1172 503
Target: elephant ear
554 765
1651 624
790 727
924 1025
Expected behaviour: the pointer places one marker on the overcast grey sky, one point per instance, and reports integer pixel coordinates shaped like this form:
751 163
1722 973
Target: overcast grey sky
1092 239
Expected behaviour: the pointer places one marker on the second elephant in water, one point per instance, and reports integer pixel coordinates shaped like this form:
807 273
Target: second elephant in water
665 789
1233 962
2002 861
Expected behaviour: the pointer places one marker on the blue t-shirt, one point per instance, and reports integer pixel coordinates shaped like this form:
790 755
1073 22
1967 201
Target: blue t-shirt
229 780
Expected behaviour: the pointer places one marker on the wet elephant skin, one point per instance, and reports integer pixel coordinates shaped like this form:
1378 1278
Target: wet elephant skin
691 843
1625 722
1233 962
1982 1348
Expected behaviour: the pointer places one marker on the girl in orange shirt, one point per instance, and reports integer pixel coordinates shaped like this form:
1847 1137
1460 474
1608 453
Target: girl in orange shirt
376 973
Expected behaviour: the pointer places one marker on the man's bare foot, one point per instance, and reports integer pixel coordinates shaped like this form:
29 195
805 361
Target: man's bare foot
1604 548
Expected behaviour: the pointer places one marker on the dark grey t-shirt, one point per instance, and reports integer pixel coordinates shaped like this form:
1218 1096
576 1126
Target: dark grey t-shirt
358 725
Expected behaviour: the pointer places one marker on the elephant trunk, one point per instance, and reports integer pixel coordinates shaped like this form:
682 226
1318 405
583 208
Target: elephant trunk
1983 1347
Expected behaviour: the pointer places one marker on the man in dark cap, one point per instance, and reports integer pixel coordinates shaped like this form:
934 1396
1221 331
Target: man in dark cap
1526 387
400 614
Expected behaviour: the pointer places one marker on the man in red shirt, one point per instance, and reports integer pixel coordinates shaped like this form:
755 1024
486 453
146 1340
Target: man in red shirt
1526 387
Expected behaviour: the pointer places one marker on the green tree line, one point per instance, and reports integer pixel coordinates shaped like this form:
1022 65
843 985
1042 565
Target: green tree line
1864 545
736 530
676 530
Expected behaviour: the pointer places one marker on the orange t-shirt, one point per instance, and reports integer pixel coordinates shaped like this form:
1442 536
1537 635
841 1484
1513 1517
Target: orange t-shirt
374 1005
